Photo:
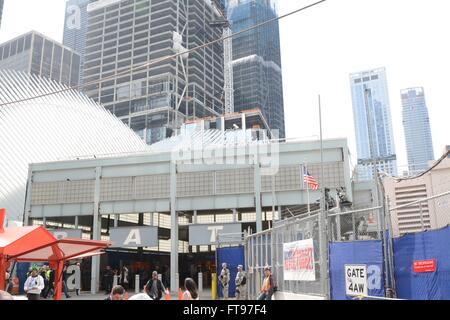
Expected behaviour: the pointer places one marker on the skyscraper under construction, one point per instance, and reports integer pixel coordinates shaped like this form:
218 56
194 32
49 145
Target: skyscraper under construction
155 98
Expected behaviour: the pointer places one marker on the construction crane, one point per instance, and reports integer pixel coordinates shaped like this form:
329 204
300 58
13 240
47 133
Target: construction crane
227 56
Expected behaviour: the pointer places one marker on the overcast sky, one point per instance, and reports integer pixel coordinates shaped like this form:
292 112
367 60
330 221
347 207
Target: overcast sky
320 47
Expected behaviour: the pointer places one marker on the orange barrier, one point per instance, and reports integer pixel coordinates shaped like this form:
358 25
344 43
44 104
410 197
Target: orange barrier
168 294
180 294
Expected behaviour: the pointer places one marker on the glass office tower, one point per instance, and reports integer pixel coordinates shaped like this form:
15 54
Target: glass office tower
258 81
1 10
416 123
75 27
373 123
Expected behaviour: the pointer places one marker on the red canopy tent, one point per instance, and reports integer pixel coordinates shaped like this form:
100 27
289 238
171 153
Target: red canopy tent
35 244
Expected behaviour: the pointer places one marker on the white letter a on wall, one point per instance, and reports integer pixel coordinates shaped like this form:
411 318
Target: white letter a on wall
133 237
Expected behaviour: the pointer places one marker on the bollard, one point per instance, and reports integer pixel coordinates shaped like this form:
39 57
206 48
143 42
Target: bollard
213 286
137 284
115 280
200 282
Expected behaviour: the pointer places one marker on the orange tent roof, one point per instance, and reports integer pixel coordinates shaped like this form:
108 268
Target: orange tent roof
14 241
64 249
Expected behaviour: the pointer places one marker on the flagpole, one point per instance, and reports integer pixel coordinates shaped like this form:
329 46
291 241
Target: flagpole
305 170
323 218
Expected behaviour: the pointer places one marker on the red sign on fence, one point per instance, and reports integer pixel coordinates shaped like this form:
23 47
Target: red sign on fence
421 266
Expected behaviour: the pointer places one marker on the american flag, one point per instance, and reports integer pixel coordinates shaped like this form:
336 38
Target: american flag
310 180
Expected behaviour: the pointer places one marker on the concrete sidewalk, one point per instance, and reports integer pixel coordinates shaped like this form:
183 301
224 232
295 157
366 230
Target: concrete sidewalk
205 295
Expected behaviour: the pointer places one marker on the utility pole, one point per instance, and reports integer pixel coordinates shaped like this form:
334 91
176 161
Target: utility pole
323 232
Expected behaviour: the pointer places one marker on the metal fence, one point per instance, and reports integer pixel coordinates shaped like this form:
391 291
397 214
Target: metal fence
266 249
363 224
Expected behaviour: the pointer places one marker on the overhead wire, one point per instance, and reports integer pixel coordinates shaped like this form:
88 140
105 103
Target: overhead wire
151 63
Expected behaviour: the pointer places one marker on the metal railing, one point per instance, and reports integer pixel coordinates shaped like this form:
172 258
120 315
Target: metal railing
266 249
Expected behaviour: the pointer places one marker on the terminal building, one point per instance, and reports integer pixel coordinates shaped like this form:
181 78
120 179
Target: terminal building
186 192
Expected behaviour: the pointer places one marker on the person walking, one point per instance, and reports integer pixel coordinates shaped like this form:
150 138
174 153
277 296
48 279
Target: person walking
108 280
64 282
43 274
224 279
117 293
191 292
154 287
241 283
267 289
34 285
51 279
125 277
77 278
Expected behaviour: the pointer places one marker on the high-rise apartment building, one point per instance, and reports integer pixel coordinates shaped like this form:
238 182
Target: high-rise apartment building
75 28
37 54
416 124
155 99
373 123
258 81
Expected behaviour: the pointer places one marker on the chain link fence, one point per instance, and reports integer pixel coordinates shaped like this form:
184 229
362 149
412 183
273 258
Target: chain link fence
363 224
267 249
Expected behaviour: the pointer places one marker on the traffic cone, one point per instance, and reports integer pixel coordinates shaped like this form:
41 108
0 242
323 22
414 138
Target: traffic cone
126 295
180 294
168 295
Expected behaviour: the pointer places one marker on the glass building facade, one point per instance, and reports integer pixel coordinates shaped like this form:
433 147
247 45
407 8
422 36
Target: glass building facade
416 124
373 123
258 81
75 28
154 100
36 54
1 10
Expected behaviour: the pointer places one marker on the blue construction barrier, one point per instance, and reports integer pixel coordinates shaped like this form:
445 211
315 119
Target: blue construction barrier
430 245
22 270
233 257
369 253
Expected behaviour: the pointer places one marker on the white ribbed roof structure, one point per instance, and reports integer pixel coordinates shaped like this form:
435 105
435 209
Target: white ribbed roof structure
50 128
197 139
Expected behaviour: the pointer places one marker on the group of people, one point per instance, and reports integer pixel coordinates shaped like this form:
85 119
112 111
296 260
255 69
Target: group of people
267 290
40 283
123 278
240 281
154 290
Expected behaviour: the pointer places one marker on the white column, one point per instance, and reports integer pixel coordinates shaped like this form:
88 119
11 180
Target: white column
200 282
96 229
137 284
258 208
173 229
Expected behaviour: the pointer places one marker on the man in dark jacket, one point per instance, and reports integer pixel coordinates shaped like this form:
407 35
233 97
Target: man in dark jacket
51 280
109 279
154 287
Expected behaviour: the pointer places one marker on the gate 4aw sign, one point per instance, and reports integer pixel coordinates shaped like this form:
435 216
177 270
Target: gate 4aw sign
356 280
